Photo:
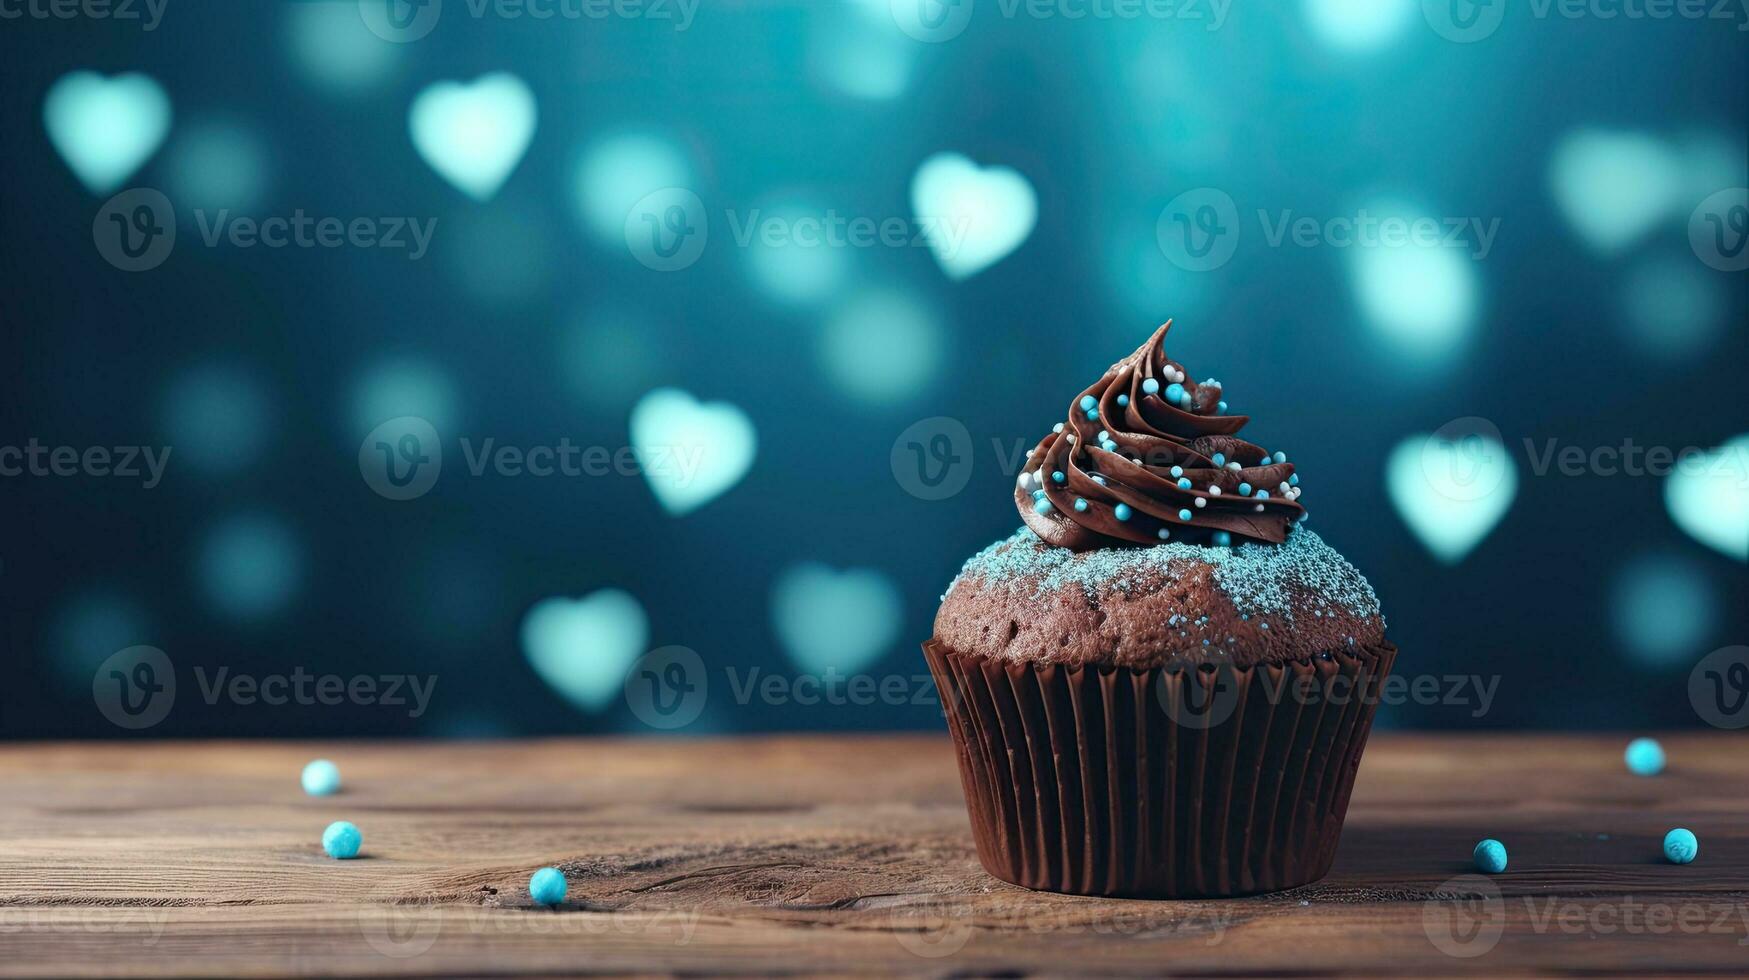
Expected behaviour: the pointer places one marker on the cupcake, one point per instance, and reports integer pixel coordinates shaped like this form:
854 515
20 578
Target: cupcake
1161 685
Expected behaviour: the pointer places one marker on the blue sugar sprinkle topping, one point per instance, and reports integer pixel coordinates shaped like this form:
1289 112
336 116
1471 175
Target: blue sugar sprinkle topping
1088 403
1093 415
1184 483
1041 506
1280 457
1184 515
1058 476
1121 512
1123 401
1220 459
1177 471
1223 408
1175 393
1080 505
1293 480
1150 386
1244 489
1263 580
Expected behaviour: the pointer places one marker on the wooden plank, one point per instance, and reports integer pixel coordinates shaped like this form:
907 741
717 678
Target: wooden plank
826 855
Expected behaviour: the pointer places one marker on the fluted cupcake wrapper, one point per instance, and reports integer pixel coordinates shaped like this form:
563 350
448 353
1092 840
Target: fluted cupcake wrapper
1174 781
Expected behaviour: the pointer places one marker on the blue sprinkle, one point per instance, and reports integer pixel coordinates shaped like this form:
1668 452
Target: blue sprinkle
1644 757
1150 386
1490 857
1093 415
1244 489
1223 408
1263 495
1175 393
1089 403
1223 539
1121 512
321 778
1108 446
1243 616
1080 505
1058 476
1123 401
1205 643
1177 471
1263 462
547 886
1293 480
1680 846
1184 483
1163 534
1037 494
341 840
1280 457
1184 515
1041 506
1220 459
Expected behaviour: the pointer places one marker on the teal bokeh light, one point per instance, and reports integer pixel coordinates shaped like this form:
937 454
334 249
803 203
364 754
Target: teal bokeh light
1672 307
403 385
218 164
250 567
331 46
616 172
1420 298
883 345
1360 25
792 256
216 418
91 626
1664 610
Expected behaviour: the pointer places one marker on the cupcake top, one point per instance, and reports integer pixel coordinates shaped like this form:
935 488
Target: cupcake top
1148 455
1025 600
1154 534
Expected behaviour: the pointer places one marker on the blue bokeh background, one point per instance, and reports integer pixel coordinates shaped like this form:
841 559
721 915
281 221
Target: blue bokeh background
1591 320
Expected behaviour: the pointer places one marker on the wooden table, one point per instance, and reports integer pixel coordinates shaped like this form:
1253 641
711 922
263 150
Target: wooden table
826 856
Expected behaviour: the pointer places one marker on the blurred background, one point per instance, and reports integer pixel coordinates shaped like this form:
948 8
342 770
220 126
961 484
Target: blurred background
392 369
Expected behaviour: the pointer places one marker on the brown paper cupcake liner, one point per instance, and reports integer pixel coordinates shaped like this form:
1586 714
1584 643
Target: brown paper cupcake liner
1172 782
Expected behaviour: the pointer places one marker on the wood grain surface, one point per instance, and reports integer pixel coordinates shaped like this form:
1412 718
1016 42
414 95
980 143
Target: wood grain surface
827 856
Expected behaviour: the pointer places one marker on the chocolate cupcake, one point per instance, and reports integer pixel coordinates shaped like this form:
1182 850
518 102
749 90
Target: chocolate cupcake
1162 684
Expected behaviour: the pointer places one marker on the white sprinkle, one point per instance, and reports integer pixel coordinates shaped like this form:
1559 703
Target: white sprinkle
1234 466
1259 508
1214 489
1057 428
1202 502
1164 534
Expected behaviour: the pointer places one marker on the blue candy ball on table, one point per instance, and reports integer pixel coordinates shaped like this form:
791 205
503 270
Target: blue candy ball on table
1490 856
341 840
1680 846
547 886
1644 757
321 778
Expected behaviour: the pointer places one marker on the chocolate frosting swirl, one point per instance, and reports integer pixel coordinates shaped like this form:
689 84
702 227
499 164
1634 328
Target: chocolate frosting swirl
1147 455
